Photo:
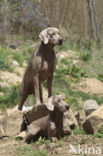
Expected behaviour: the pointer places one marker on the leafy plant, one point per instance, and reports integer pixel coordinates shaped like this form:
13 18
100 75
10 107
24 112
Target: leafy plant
85 56
77 71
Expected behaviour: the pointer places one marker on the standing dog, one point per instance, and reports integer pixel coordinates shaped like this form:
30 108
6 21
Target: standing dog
41 67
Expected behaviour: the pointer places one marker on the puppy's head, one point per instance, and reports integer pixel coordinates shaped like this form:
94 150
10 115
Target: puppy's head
57 102
51 35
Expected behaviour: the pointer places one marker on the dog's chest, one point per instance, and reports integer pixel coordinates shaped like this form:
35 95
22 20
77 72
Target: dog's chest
47 68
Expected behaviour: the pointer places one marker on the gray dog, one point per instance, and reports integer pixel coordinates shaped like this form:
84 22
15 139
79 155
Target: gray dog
41 67
52 125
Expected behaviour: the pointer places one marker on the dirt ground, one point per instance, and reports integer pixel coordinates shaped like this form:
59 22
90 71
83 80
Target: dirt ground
10 147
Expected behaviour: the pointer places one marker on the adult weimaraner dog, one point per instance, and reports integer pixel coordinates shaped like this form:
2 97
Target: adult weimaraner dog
40 67
50 126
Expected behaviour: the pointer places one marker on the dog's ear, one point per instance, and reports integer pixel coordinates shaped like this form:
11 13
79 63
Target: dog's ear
44 36
49 104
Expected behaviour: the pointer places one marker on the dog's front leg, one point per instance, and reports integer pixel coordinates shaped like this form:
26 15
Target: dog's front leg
41 92
50 79
36 89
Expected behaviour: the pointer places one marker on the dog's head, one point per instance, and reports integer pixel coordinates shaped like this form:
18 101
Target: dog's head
51 35
57 102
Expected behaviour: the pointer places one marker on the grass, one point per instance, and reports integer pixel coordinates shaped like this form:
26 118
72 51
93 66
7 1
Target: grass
99 133
5 54
19 57
29 151
10 97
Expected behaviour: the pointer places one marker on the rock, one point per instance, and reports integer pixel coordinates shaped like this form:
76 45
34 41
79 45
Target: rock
89 106
66 127
36 112
94 121
80 116
71 118
15 63
10 123
92 86
2 133
62 56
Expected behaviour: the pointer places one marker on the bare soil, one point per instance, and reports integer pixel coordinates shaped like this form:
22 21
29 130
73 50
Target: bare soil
9 146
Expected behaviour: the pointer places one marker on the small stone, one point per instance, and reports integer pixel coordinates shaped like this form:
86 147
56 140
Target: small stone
62 56
90 106
15 63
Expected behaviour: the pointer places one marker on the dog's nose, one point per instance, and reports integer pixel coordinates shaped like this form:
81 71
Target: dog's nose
60 41
67 107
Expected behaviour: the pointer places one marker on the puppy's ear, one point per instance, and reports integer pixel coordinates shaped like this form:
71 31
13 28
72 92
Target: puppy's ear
44 37
49 104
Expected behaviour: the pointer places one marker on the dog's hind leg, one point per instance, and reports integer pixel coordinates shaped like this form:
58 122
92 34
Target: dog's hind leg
22 99
32 131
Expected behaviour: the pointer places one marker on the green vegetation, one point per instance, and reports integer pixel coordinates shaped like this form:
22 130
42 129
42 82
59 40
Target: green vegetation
99 134
5 55
77 131
29 151
10 97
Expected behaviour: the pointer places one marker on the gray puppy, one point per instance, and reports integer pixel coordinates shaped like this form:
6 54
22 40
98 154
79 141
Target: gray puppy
40 67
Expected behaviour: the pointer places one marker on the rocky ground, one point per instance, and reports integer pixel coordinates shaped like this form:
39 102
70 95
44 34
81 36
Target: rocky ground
11 147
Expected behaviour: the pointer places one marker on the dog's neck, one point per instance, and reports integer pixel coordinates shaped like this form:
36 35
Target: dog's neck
48 47
56 116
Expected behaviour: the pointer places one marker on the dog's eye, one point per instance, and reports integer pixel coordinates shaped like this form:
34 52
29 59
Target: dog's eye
59 100
52 34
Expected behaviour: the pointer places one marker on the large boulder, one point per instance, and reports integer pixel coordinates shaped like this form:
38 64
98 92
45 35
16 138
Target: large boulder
94 121
89 106
10 122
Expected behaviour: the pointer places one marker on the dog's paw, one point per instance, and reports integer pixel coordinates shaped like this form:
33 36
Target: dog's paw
38 103
54 139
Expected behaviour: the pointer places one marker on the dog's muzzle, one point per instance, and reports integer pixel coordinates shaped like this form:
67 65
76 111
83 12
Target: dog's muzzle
60 41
